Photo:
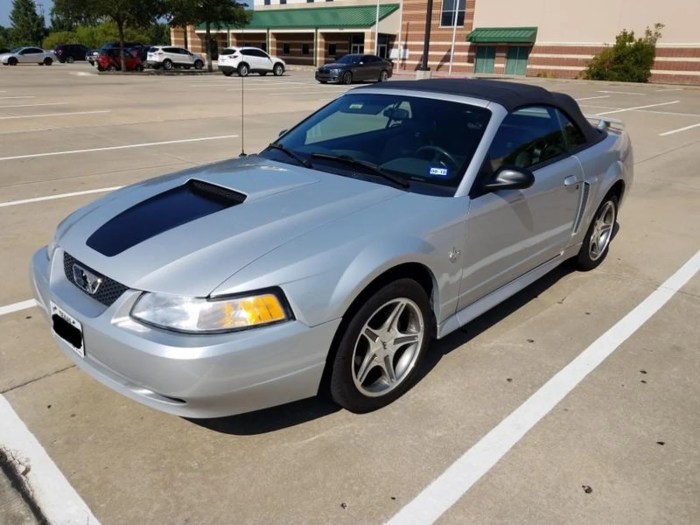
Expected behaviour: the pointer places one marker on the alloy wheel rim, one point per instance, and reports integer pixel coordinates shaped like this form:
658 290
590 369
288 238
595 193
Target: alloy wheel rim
387 348
602 231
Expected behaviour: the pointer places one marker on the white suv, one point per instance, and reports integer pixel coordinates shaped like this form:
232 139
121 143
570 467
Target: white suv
245 60
169 57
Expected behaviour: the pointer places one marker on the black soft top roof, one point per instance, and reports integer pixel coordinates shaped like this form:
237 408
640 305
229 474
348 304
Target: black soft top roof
510 95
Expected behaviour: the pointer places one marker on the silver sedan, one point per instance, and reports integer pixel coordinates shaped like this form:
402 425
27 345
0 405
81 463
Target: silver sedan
329 262
28 55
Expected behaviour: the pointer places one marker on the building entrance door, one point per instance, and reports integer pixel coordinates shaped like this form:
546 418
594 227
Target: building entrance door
485 59
516 60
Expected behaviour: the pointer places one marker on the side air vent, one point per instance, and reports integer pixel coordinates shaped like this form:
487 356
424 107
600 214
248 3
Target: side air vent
581 207
189 202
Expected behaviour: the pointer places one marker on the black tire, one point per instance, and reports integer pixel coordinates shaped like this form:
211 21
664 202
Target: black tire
70 60
111 67
346 78
591 255
139 68
12 61
198 64
323 81
167 64
383 76
227 73
278 70
243 70
343 387
48 61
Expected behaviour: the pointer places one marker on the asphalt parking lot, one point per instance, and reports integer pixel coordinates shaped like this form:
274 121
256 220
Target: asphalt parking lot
621 446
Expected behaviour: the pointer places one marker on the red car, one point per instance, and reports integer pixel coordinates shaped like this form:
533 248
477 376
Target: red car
109 60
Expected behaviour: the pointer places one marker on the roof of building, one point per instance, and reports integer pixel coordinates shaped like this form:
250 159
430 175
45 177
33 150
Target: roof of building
350 17
510 95
503 35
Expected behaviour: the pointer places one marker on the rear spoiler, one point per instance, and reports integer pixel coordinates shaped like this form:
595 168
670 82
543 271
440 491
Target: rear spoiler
602 123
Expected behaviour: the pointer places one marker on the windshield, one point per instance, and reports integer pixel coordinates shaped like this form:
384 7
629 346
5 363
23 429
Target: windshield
348 59
427 143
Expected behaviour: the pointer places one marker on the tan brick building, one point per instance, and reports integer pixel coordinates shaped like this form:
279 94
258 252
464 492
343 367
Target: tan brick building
554 38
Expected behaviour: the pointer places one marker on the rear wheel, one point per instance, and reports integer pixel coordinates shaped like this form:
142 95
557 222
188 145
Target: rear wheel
243 70
139 68
597 240
48 61
379 353
167 64
278 70
346 78
70 60
198 64
111 67
383 76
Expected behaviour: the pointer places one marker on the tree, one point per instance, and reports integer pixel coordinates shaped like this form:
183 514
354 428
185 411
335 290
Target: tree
212 13
629 60
27 25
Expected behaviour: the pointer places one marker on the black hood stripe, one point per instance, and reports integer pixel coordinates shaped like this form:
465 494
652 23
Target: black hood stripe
161 213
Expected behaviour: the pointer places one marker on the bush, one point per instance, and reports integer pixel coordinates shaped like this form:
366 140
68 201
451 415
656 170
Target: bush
629 60
60 37
96 36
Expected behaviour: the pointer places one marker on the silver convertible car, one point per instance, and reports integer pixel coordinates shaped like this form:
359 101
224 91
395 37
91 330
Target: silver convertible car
328 262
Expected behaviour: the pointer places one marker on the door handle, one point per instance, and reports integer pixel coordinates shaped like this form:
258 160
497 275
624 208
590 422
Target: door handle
570 180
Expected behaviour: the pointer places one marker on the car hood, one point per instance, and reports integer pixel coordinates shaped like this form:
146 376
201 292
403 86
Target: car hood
186 233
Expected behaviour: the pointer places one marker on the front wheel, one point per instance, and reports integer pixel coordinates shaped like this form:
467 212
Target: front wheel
70 60
111 67
346 78
383 76
198 64
600 232
278 70
379 353
12 61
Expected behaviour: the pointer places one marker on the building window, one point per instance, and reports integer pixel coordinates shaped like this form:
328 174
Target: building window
285 49
447 18
309 1
305 49
267 2
283 2
332 50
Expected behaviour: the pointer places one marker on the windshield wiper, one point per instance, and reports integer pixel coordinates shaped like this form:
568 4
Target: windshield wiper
373 168
290 153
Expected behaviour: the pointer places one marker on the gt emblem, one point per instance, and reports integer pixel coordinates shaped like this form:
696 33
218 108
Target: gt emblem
85 280
454 255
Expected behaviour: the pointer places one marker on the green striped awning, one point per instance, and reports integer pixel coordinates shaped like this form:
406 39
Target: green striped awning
351 17
503 35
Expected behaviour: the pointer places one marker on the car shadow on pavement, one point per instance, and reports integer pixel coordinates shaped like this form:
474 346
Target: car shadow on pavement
299 412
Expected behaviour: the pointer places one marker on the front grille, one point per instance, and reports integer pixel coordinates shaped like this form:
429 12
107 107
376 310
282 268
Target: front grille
108 292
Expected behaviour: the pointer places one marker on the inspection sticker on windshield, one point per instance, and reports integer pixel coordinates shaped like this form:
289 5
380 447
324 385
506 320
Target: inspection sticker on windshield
438 172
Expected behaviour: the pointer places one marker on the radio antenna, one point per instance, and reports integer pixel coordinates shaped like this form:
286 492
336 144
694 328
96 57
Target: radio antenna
243 153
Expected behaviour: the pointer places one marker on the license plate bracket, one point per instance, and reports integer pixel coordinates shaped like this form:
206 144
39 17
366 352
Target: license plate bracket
68 329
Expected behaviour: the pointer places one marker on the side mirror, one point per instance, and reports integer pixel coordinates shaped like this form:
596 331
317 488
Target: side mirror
510 178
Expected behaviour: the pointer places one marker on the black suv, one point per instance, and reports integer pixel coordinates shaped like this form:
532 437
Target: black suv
70 53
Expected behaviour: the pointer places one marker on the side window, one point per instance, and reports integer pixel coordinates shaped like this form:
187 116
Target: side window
247 52
528 137
573 135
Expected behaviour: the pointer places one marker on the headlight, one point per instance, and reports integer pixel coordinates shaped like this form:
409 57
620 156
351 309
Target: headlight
196 315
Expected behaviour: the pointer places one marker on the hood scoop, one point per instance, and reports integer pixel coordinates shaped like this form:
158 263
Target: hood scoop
191 201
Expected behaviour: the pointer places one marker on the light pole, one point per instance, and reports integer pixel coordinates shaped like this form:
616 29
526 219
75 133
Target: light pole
376 32
454 33
424 70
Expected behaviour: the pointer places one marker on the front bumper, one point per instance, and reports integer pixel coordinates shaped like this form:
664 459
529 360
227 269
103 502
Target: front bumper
197 376
329 77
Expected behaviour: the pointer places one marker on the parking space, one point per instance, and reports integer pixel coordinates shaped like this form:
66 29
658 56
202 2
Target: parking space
627 431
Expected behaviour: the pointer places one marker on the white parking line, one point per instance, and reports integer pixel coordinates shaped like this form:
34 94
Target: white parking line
57 499
8 98
35 105
57 114
59 196
447 489
592 98
679 130
639 107
623 93
670 89
112 148
16 307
